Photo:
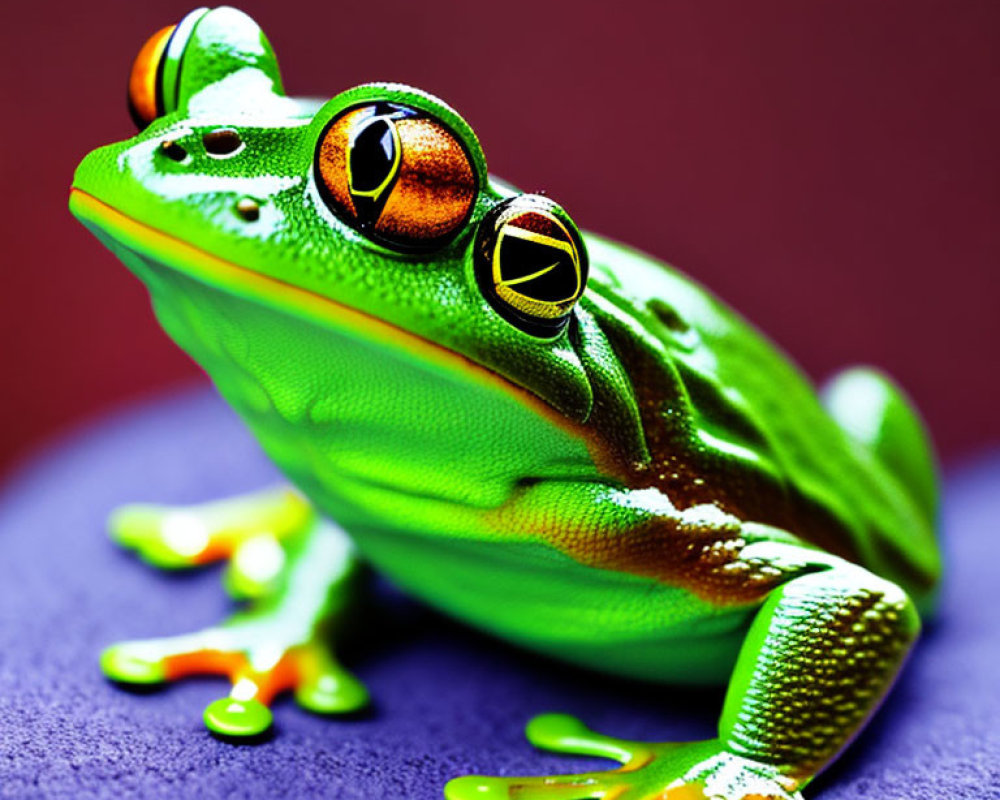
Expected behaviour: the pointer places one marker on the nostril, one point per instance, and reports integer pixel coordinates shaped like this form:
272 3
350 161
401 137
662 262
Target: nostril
248 209
172 150
222 142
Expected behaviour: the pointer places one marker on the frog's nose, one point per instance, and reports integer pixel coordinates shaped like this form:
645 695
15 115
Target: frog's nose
217 144
173 150
93 175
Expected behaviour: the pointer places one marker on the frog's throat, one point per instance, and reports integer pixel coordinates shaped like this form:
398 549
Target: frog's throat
215 271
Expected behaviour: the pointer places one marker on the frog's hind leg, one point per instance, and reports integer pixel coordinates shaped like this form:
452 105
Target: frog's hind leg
873 410
640 776
822 650
298 573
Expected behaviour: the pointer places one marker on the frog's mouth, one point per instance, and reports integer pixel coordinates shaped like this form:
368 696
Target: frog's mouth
329 388
106 221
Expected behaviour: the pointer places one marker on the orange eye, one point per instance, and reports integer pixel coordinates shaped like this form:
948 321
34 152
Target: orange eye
152 83
145 98
397 175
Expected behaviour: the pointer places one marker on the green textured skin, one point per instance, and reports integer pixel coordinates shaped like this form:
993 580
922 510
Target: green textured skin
654 492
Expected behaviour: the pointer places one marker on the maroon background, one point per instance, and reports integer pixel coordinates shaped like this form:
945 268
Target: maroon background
830 168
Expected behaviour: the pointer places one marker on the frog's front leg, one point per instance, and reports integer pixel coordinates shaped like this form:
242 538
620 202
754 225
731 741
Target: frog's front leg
824 646
298 573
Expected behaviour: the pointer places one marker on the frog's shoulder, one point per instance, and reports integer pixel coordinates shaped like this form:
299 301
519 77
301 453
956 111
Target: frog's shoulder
683 355
651 289
727 419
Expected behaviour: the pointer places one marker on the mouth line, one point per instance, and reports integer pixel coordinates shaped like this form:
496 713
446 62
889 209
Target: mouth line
213 270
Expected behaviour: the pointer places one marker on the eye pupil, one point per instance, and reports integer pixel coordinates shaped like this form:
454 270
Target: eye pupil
222 142
172 150
537 270
373 158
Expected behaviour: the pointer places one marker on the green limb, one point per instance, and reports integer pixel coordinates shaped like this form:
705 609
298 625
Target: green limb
820 655
876 412
559 733
878 416
282 640
660 771
824 647
562 733
237 718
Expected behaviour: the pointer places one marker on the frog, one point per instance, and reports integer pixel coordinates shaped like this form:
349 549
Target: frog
550 436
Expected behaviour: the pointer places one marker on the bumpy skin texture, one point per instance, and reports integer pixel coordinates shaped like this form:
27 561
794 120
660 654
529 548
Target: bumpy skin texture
647 487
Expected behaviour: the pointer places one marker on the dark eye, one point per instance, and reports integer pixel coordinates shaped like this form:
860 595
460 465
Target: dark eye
222 142
152 83
531 264
374 159
145 97
397 175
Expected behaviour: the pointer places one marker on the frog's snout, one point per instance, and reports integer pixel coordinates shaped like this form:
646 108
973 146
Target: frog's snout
173 150
95 174
217 144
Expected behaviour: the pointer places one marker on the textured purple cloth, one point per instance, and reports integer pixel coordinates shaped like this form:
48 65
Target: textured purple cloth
448 700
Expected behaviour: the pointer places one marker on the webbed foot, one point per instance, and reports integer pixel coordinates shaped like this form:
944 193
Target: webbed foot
297 572
663 771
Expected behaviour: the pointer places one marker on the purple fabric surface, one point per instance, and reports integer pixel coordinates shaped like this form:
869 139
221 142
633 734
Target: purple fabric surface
448 701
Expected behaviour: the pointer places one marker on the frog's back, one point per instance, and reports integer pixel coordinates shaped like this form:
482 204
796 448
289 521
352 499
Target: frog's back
729 419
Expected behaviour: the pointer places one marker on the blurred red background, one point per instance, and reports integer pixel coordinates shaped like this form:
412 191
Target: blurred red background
829 168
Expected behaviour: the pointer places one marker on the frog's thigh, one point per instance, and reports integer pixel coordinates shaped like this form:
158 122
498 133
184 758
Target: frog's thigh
820 654
875 411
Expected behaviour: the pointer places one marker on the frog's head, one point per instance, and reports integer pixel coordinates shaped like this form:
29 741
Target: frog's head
353 251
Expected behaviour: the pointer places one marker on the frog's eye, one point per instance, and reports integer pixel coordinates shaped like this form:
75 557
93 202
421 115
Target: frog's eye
152 83
145 102
531 264
396 174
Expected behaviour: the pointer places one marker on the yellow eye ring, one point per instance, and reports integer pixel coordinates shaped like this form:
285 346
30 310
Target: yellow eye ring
531 264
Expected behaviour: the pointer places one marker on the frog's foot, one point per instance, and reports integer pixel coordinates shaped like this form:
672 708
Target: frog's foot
666 771
252 531
280 642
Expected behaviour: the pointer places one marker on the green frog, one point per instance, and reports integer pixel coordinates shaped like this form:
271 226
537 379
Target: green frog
548 435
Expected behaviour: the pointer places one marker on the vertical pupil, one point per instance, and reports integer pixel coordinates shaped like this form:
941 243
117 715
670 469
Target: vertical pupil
372 156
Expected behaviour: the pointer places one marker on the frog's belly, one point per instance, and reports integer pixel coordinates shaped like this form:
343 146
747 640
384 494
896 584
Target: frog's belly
413 496
521 588
512 585
516 586
535 596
